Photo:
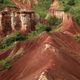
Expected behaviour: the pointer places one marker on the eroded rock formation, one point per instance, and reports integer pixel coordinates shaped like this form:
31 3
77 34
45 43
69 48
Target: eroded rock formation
6 22
20 20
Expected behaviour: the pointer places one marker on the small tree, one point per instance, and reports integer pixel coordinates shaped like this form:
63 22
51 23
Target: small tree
54 21
1 1
71 2
38 29
42 27
41 7
8 40
66 8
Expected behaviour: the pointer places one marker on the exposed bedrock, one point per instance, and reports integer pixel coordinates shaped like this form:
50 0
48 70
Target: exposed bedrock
11 21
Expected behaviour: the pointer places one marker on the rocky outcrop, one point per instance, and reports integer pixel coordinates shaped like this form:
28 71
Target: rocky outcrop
12 20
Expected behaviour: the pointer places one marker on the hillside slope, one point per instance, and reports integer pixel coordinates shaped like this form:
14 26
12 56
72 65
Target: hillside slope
49 55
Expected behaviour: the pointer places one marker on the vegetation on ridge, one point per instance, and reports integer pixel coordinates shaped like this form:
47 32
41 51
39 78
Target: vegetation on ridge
72 7
9 39
42 7
38 29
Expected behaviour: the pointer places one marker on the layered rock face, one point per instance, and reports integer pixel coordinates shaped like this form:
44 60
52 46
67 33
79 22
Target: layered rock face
16 21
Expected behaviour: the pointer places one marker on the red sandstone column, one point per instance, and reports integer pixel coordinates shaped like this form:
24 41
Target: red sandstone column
24 22
1 28
0 22
13 22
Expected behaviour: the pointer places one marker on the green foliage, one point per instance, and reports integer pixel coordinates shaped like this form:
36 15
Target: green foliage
1 1
72 7
4 64
6 3
9 39
45 3
66 8
41 27
77 37
76 14
41 7
38 29
40 10
71 2
54 21
77 19
68 2
19 36
31 35
68 5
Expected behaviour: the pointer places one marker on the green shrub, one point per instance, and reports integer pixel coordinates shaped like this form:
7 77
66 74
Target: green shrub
54 21
66 8
1 1
72 7
19 36
40 10
31 35
71 2
77 18
41 7
9 39
4 64
38 29
76 14
6 3
41 27
77 37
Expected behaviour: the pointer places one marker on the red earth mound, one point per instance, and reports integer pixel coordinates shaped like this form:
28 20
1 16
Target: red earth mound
49 56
